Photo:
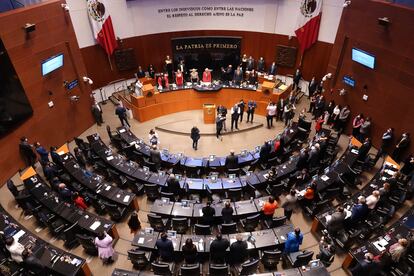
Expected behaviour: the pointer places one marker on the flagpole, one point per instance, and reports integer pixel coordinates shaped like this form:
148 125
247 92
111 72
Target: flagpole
110 63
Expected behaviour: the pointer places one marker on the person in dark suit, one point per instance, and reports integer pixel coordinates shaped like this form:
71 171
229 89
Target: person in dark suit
208 214
55 156
140 73
336 222
238 250
296 78
181 66
42 152
97 113
359 211
238 76
33 264
220 119
121 112
173 185
189 251
65 193
387 139
313 85
218 249
227 213
250 64
251 107
155 156
272 69
364 149
319 106
26 151
165 248
195 136
367 267
401 146
232 161
241 105
252 77
50 171
235 112
151 71
314 156
303 159
264 154
261 65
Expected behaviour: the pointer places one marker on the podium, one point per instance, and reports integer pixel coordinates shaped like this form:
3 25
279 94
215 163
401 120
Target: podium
209 112
148 90
267 87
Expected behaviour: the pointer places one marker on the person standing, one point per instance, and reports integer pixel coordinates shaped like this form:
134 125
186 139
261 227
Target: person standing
365 129
279 110
221 109
133 223
242 105
42 152
387 139
183 69
121 112
218 249
151 71
155 156
169 68
238 76
179 78
296 79
26 151
189 251
269 207
232 161
343 118
153 138
235 112
208 214
401 146
105 250
165 248
288 113
261 65
194 76
251 107
272 69
219 126
250 64
271 112
293 241
356 125
238 250
313 85
244 62
227 213
195 136
289 204
97 113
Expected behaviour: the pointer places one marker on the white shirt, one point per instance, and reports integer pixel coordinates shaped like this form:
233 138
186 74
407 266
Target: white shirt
156 135
372 201
271 110
237 110
16 249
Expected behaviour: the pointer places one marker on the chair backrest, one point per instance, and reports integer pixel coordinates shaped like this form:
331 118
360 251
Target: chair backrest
161 269
136 255
235 194
151 190
253 219
272 255
87 244
154 220
278 221
229 228
192 270
201 229
168 195
180 225
218 270
303 259
249 268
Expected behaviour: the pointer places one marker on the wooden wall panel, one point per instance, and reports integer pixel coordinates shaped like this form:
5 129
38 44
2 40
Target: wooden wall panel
152 49
54 34
391 83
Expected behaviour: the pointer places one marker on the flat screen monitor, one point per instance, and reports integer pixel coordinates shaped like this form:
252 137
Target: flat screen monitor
51 64
363 58
349 81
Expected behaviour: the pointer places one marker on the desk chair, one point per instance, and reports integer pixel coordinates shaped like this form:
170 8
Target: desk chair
270 259
136 188
87 244
234 171
275 190
314 208
301 258
190 270
201 229
218 270
275 222
139 259
234 194
180 225
100 167
250 223
248 267
157 222
115 212
152 191
168 195
69 235
96 203
252 191
151 165
228 228
161 269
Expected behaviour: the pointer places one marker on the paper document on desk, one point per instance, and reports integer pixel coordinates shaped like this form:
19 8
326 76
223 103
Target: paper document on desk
328 218
325 177
126 198
141 240
18 235
108 188
383 242
354 151
109 158
95 225
122 130
379 246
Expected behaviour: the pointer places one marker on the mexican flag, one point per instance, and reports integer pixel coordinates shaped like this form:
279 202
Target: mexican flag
309 20
101 23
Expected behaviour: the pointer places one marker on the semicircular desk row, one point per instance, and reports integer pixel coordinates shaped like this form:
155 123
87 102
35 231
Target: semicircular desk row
145 108
55 260
255 179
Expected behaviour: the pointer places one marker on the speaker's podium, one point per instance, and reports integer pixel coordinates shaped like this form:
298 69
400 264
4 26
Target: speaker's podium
209 111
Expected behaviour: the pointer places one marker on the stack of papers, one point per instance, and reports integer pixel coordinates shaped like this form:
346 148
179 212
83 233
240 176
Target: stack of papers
95 225
126 198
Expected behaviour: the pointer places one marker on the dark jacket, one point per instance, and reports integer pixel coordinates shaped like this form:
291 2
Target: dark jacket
227 214
190 254
155 156
218 249
120 111
34 265
208 214
232 162
336 222
195 133
359 211
173 185
363 150
165 249
238 252
265 152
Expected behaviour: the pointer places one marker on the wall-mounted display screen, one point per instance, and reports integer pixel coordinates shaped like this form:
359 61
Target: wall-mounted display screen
51 64
349 81
363 58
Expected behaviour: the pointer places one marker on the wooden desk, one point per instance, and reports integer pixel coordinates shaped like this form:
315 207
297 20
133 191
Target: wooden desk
188 99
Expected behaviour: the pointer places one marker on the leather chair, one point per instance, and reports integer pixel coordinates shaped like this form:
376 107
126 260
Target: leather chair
234 171
137 188
97 204
115 212
201 229
301 258
270 259
69 235
234 194
161 269
157 222
218 270
168 195
275 222
249 267
87 244
152 191
180 225
250 223
139 259
275 190
228 228
190 270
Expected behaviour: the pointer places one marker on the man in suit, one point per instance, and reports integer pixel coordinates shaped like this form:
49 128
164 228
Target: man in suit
313 85
33 264
97 113
319 106
265 150
401 146
218 249
173 185
251 107
303 159
165 248
296 79
208 214
359 211
183 69
220 119
241 106
155 156
26 151
238 250
280 109
314 154
387 139
272 69
337 220
261 65
140 73
364 149
121 112
235 112
250 64
232 161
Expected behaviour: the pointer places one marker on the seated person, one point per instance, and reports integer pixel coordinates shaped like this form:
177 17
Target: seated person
232 161
208 214
206 75
227 213
359 211
326 253
218 249
336 222
398 250
300 177
373 199
165 248
33 264
79 201
309 194
366 267
293 241
238 250
269 207
64 192
163 81
15 248
252 79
